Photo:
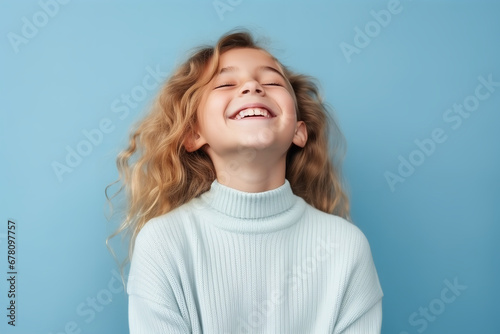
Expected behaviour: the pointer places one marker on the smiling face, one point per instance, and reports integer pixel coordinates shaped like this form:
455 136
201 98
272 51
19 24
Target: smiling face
248 104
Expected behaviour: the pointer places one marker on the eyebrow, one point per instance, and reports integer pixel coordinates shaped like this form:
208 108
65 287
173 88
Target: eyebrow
260 68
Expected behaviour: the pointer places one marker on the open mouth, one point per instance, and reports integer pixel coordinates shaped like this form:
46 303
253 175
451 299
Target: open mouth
253 113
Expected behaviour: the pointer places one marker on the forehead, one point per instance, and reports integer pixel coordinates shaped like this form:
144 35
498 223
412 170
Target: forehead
247 58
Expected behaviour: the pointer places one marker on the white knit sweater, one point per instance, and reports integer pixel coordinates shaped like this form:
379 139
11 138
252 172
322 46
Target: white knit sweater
237 262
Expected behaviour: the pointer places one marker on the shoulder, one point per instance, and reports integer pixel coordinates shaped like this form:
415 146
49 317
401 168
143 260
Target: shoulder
172 220
157 253
161 242
337 223
343 233
167 231
349 249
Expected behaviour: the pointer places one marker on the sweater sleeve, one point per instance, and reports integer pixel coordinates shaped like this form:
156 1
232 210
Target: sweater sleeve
148 317
361 306
370 322
153 307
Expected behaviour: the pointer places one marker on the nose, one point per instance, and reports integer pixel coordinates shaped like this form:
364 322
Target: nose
252 87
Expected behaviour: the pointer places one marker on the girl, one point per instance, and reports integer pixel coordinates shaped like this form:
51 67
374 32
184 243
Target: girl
236 215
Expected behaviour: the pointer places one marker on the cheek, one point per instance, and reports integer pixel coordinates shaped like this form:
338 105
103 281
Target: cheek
209 117
215 104
204 109
288 108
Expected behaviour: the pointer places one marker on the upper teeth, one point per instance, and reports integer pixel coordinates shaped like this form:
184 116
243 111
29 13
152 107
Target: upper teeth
252 112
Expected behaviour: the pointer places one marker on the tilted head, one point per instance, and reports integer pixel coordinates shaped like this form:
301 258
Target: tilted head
170 167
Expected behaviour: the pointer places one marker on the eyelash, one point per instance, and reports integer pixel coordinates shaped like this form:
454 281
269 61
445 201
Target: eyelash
268 84
224 85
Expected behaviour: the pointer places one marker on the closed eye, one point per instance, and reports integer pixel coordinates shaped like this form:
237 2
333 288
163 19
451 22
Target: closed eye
266 84
224 85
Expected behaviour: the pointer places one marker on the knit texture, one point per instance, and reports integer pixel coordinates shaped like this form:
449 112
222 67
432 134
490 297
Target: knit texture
235 262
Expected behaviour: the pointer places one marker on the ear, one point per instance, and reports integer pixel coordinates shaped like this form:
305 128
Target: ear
300 137
194 141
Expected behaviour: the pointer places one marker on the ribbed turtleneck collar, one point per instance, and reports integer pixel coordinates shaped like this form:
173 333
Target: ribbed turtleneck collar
245 205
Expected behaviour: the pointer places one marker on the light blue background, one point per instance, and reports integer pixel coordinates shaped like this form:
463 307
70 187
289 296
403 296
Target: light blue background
441 223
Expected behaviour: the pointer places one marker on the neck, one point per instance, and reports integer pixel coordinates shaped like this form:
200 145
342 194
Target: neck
256 175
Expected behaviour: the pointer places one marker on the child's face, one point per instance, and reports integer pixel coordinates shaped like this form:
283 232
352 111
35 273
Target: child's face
249 80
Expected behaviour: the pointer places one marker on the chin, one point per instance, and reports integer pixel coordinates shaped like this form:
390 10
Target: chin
259 139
